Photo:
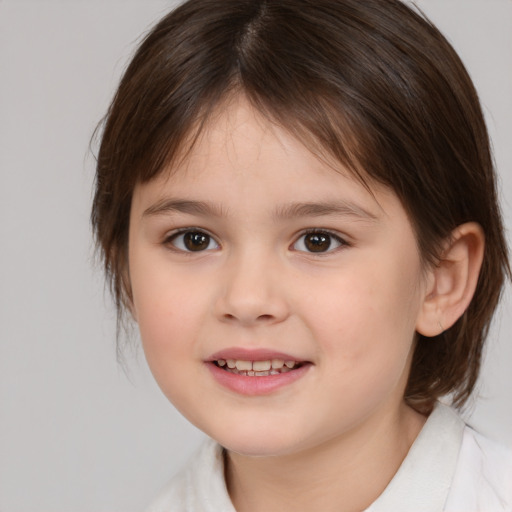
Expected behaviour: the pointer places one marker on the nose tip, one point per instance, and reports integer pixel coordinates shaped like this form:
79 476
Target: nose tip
248 311
251 297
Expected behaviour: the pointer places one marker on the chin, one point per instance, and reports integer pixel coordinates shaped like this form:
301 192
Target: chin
260 443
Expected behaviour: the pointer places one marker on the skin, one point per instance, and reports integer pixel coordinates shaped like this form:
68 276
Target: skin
333 439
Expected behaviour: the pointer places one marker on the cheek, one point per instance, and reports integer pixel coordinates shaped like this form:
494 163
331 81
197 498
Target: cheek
367 319
167 314
367 341
168 322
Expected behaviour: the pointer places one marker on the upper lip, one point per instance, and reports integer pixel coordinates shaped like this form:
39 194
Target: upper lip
245 354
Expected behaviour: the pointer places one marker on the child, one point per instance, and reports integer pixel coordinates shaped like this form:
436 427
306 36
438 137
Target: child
296 202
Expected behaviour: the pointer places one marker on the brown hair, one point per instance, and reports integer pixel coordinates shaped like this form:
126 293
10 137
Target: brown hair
371 83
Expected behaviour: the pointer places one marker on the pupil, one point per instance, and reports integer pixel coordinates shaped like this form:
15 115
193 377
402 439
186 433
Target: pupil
317 242
195 241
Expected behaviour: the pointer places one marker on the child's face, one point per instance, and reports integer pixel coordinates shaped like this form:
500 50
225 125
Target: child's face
254 250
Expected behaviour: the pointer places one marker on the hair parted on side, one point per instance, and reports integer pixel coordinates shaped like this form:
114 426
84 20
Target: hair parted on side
370 83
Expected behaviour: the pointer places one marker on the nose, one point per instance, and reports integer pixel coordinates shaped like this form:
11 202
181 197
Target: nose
252 292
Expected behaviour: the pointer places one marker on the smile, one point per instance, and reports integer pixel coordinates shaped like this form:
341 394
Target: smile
256 372
257 368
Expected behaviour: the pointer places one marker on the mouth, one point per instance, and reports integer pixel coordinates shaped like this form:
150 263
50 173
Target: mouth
256 372
263 368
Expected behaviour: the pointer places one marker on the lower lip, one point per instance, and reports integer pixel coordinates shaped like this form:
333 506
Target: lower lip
253 386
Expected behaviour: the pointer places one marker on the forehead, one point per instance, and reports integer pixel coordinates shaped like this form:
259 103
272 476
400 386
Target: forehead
241 158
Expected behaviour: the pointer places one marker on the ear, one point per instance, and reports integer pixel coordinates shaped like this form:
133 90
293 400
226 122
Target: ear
452 282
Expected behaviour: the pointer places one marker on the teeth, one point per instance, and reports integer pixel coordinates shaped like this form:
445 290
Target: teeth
244 365
261 366
256 368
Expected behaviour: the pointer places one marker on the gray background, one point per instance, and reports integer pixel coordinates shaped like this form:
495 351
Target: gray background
76 433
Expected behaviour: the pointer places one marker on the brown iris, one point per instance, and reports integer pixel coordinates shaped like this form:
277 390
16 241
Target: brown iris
196 241
317 242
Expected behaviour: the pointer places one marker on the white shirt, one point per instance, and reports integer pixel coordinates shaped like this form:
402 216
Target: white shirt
449 468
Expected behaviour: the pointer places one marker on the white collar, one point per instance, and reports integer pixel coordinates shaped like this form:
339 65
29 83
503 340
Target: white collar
421 484
423 481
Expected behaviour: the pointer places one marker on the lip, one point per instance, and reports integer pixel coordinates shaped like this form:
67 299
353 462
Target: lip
244 354
255 386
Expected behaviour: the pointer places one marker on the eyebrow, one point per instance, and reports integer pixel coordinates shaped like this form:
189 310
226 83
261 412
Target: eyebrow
287 211
202 208
339 208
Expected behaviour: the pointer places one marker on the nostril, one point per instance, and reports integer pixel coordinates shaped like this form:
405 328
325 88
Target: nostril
265 317
229 316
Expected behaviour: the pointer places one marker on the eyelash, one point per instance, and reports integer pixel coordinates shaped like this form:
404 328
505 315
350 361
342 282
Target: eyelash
193 231
329 236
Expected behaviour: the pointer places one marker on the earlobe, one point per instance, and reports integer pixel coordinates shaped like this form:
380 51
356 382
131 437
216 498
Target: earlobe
453 281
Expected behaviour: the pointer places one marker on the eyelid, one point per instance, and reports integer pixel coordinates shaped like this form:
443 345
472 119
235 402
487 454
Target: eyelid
341 240
172 235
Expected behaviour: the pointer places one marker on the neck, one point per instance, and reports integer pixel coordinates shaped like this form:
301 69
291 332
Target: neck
345 474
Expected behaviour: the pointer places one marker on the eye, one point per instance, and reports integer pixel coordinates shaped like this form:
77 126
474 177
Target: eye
192 241
318 242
